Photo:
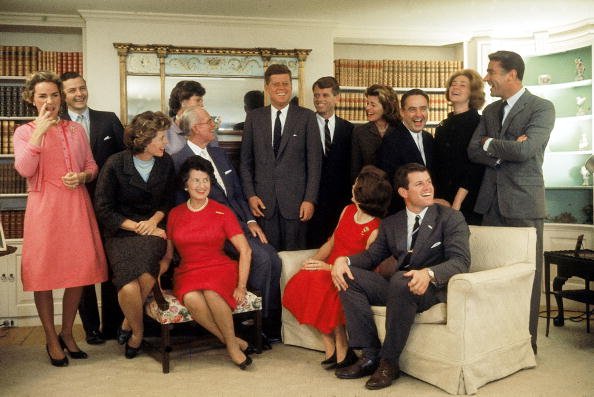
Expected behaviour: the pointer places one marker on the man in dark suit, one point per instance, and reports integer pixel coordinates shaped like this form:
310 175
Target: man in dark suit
430 243
281 162
409 143
335 185
106 136
265 269
510 141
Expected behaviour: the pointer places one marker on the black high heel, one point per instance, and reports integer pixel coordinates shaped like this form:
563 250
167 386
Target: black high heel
75 355
330 360
245 363
250 349
132 352
349 359
60 362
123 335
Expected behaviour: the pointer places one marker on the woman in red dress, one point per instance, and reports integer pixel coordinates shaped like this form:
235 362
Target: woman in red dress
310 294
207 281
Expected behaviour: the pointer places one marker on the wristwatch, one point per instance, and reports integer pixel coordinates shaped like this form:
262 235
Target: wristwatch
431 275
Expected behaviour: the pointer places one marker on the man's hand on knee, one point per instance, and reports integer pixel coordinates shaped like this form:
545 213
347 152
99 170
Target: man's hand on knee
340 268
419 281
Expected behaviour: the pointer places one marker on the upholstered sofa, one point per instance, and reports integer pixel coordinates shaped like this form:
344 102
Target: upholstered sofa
481 335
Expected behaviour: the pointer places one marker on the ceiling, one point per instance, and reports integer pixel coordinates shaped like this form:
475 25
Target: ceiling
468 16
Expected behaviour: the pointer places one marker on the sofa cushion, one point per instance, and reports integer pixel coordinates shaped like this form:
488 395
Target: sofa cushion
437 314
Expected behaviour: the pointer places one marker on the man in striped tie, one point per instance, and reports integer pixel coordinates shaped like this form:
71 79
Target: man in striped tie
430 243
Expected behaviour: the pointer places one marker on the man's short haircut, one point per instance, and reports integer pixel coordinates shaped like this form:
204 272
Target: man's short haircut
276 68
327 82
509 61
401 175
253 100
409 93
183 90
70 75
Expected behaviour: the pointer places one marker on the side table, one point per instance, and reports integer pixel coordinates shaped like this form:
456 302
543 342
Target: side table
569 263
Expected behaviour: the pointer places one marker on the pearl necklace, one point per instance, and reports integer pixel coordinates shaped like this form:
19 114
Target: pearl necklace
196 209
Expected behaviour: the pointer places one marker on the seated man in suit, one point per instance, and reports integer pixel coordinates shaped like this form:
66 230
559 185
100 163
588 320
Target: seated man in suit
106 136
265 270
430 243
409 143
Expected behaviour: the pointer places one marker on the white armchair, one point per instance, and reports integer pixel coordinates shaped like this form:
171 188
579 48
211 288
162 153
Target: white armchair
480 335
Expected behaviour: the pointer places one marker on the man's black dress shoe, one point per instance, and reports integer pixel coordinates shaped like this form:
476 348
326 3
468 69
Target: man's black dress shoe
76 355
95 338
383 375
60 362
363 367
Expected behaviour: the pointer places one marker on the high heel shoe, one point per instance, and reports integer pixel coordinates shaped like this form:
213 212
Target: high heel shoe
123 335
245 363
250 349
330 360
60 362
75 355
349 359
132 352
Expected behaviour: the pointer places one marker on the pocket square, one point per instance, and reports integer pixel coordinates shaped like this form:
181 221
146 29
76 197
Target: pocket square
436 244
228 172
107 138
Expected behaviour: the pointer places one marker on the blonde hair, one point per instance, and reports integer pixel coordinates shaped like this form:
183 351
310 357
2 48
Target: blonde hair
477 92
36 78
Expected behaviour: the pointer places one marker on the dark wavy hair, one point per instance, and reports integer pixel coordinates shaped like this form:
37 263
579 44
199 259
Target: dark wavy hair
389 100
143 129
183 90
401 175
195 163
372 191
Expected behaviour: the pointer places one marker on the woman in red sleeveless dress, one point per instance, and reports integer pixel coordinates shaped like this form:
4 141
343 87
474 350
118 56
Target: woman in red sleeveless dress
310 294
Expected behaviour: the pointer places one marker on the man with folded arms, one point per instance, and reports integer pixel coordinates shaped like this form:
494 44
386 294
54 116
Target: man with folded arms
430 243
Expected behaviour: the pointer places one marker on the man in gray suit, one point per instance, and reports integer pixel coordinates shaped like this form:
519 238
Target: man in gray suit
430 243
281 162
510 141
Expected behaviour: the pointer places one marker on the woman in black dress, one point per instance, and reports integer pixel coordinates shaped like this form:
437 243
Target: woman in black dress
132 197
455 178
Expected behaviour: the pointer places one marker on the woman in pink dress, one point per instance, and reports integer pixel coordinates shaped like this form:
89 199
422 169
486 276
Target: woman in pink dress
310 294
207 281
61 243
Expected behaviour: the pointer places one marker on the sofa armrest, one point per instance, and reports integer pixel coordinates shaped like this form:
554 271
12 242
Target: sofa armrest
492 306
292 261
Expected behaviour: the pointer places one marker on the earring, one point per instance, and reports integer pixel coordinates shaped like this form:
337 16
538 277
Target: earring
186 189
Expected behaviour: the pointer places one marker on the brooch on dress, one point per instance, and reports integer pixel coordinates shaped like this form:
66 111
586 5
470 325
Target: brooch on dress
365 230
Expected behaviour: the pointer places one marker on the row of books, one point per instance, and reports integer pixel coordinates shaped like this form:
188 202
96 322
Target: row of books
12 223
352 106
395 73
12 104
10 180
24 60
7 128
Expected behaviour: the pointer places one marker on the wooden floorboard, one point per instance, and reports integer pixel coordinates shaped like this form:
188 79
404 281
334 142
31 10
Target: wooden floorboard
32 336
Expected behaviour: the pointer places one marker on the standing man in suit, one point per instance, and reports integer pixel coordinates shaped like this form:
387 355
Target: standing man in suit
106 136
409 143
335 186
430 243
281 163
265 270
510 141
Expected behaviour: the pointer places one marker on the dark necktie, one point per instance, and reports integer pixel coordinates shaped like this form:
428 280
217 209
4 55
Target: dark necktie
327 138
413 239
502 112
277 133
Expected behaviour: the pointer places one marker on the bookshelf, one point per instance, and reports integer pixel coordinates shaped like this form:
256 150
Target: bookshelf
355 75
569 195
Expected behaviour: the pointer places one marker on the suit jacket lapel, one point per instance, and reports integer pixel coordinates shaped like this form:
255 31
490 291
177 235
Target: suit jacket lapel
287 130
135 178
401 230
93 127
427 227
219 164
267 122
518 107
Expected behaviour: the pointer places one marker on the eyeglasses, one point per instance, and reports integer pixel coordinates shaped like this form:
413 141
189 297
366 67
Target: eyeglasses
216 121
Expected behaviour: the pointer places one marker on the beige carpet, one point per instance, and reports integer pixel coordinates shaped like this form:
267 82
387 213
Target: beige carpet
565 365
